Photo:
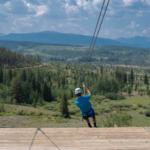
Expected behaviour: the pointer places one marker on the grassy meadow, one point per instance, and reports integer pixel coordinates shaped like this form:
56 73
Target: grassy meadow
43 113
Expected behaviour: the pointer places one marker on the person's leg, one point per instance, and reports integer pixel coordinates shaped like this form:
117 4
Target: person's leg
88 122
94 121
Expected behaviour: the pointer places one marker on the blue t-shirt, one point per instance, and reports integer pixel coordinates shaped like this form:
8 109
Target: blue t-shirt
84 104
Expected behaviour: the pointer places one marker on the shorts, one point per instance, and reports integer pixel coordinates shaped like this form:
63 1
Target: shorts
90 113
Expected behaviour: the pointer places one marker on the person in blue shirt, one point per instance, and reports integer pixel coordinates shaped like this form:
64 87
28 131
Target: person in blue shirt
85 106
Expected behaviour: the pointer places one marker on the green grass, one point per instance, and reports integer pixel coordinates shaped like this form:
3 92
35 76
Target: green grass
10 119
134 100
139 120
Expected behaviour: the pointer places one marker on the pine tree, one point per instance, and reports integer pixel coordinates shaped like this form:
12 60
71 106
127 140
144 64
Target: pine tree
34 103
129 90
147 87
50 98
33 83
10 74
23 75
47 95
101 69
71 93
45 92
16 91
125 78
132 76
58 83
63 82
64 106
145 79
1 74
38 87
136 85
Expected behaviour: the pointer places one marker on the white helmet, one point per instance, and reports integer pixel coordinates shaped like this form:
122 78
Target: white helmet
78 90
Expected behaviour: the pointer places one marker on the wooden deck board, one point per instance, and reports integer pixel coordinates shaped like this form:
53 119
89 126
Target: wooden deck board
75 138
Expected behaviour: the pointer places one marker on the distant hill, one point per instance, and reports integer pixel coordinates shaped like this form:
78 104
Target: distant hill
60 38
138 40
1 34
50 37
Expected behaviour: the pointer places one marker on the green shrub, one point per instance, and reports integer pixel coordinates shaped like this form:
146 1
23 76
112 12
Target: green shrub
100 109
49 118
57 114
52 105
73 110
119 119
148 92
147 113
2 114
112 96
140 112
20 112
144 106
99 99
14 101
106 100
139 105
122 105
135 108
125 109
31 113
2 109
78 115
60 120
120 97
34 103
39 113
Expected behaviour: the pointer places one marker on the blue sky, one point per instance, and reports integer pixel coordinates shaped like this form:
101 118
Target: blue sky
124 18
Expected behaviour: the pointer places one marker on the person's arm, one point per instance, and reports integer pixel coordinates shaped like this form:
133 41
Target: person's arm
87 90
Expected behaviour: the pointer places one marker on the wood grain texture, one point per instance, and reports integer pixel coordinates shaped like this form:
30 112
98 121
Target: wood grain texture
75 138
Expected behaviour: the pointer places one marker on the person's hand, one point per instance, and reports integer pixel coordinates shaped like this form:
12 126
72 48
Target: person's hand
84 86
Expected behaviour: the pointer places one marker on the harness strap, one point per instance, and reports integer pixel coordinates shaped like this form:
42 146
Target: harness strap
88 112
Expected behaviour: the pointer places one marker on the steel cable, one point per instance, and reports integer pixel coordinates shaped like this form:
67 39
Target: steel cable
94 32
86 62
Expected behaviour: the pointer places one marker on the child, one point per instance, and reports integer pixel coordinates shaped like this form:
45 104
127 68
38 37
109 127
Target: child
85 106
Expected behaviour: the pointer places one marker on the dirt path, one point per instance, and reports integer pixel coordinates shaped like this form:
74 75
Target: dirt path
26 67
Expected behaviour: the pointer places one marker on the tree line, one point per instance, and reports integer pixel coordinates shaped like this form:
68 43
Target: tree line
13 59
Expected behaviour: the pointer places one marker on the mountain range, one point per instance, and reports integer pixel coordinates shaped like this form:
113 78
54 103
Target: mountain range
1 34
51 37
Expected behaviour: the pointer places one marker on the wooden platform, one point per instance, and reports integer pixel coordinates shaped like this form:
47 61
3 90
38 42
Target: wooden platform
75 139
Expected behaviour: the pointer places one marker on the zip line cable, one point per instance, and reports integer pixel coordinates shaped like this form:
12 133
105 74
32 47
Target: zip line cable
94 32
99 29
88 57
86 62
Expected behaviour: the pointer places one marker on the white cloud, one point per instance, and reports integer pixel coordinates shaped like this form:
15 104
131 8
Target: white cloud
40 10
79 3
129 2
8 5
60 25
146 31
146 1
71 9
69 27
133 25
